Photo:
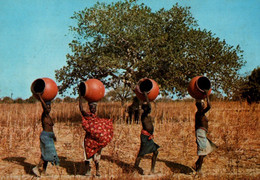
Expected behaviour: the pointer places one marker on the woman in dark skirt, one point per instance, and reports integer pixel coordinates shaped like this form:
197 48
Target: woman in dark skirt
147 144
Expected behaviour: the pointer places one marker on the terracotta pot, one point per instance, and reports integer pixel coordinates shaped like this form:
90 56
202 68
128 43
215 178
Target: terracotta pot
149 86
197 86
93 90
46 86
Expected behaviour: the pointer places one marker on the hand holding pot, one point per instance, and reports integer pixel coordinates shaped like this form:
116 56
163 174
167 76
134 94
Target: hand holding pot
199 87
44 87
149 86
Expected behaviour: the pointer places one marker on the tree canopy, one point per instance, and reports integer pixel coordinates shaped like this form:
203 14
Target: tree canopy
122 94
250 89
125 41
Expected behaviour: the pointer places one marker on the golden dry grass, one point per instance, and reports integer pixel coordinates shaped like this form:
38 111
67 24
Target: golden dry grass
233 126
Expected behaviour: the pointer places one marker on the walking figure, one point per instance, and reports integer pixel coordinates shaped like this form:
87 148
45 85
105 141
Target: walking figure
47 138
99 133
204 145
147 144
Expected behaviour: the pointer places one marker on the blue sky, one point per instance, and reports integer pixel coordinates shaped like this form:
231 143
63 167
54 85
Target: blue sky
34 34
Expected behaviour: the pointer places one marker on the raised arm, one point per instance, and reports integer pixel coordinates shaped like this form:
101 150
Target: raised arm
146 98
44 106
80 105
208 103
46 112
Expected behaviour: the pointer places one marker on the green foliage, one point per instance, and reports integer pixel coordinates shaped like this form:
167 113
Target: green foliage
57 100
164 99
7 100
250 90
69 99
31 99
123 42
19 101
120 94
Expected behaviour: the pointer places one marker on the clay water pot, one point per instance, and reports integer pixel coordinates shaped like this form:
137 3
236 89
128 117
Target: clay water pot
149 86
46 86
197 87
92 90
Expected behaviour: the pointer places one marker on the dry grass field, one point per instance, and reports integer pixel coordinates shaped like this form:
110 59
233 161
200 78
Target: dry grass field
233 126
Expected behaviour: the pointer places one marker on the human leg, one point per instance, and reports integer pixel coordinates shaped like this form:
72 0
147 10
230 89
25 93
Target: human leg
204 147
155 154
97 158
137 161
97 168
198 164
39 167
88 168
136 166
45 163
86 161
37 170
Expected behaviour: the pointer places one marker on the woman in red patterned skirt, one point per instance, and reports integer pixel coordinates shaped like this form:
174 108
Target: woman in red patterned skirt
99 133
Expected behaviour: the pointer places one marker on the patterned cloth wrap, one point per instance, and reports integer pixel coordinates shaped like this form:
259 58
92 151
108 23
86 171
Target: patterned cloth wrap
147 144
204 145
48 148
99 132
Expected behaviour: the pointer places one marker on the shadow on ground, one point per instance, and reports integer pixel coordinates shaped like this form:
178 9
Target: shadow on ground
127 168
21 161
175 167
78 168
72 168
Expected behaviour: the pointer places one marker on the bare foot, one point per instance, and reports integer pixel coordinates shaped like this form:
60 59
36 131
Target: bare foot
88 173
98 173
199 173
139 170
36 171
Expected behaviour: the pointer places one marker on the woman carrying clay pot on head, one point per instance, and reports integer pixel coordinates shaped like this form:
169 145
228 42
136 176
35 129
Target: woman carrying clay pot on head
204 145
200 88
147 90
147 145
47 138
99 131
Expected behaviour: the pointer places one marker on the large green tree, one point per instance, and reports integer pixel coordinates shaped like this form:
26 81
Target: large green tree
125 41
250 89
